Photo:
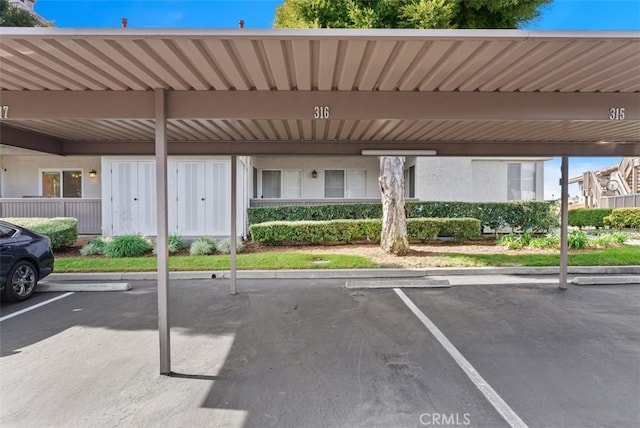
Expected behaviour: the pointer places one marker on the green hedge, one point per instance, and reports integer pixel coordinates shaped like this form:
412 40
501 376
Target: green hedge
329 231
585 217
315 212
535 216
623 218
63 231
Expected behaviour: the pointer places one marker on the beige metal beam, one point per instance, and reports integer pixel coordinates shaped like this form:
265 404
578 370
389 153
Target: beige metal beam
564 222
78 104
323 105
401 105
325 148
162 231
15 137
234 223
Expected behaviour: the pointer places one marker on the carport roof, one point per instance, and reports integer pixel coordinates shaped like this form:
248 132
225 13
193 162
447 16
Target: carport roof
255 92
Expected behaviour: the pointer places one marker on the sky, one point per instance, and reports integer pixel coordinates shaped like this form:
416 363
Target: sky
619 15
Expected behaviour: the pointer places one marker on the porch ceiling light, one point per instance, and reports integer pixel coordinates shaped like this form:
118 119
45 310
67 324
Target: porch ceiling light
374 152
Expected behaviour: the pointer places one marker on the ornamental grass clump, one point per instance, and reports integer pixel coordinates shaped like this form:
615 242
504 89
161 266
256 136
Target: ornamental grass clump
95 247
224 246
175 244
202 246
127 246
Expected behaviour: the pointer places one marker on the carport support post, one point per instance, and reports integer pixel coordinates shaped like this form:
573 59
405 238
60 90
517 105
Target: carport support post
163 230
564 220
234 223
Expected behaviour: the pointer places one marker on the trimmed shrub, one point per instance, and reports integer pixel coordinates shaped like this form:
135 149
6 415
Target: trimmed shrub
577 239
63 231
331 231
127 246
95 247
315 212
585 217
224 246
528 216
202 246
623 218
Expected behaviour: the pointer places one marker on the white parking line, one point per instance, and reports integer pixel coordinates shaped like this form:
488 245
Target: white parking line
496 401
30 308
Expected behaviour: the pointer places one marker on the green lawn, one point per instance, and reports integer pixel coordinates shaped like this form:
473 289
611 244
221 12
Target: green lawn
629 255
620 256
252 261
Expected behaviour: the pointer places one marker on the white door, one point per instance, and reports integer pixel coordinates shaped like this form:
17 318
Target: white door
147 214
124 193
133 198
191 198
219 198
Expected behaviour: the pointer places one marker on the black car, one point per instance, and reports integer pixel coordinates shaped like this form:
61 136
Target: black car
25 258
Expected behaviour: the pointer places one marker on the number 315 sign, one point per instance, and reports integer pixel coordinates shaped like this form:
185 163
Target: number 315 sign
616 113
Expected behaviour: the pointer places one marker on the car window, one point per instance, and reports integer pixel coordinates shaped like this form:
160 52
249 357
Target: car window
6 232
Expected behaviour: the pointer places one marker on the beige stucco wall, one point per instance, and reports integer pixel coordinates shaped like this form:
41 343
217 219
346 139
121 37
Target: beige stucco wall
468 179
313 188
21 173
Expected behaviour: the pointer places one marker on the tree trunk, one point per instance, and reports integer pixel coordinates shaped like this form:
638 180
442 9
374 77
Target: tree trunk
394 222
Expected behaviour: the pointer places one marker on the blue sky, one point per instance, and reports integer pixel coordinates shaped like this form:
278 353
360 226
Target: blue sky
559 15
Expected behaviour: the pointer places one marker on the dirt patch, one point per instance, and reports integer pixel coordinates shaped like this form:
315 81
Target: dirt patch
420 255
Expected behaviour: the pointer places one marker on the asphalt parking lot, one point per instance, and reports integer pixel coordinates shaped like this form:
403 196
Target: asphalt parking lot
310 353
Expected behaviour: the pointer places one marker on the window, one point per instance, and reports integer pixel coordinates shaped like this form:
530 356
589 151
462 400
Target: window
334 184
255 182
61 183
521 181
282 184
339 183
410 182
271 184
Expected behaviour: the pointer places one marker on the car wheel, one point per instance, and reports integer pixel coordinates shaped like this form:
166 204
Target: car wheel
21 282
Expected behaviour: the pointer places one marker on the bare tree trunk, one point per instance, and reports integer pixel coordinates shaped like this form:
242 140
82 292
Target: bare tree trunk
394 223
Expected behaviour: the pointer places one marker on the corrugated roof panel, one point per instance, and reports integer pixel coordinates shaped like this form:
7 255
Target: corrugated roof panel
399 61
459 58
423 64
378 54
350 64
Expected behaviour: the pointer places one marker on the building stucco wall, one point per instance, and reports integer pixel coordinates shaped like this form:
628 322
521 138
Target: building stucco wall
469 179
21 173
313 188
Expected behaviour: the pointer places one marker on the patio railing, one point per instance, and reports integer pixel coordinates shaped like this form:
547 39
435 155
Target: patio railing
87 211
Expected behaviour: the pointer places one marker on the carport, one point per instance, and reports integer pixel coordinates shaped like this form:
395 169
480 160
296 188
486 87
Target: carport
317 92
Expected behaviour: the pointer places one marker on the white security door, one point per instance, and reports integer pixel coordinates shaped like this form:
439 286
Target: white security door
191 198
218 180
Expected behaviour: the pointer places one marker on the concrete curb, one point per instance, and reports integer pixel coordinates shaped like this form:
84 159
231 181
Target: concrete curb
348 273
402 283
46 287
606 280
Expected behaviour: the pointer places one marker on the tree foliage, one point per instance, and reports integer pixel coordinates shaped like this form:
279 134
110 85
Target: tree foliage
11 16
470 14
